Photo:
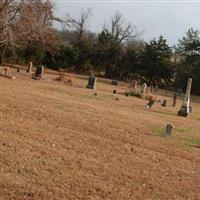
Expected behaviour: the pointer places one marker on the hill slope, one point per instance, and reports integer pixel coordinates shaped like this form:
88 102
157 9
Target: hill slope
62 142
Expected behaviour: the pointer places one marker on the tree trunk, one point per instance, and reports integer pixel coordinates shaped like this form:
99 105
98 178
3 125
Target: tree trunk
2 51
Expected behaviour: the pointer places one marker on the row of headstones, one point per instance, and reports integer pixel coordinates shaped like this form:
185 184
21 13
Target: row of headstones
184 110
163 103
38 72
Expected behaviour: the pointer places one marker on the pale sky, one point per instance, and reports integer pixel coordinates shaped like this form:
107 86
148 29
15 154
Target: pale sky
169 18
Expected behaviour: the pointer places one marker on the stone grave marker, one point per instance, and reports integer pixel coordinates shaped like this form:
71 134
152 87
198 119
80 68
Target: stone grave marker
150 103
92 82
190 107
174 99
38 72
114 83
185 108
134 85
168 130
143 90
164 104
29 70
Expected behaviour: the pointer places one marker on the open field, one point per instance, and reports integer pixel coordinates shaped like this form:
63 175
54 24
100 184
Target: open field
60 142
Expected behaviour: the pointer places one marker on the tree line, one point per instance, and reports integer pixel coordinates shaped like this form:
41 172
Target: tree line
117 51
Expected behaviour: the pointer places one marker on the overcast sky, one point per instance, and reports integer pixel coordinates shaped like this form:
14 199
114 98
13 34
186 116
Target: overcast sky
169 18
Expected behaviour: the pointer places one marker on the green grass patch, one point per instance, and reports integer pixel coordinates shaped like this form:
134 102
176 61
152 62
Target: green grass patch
134 94
158 131
182 130
179 134
174 113
86 96
189 141
60 108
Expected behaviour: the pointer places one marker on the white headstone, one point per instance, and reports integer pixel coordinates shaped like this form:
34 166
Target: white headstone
29 70
143 89
185 108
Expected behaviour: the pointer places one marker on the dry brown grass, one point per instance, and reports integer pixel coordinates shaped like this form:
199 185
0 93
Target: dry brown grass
62 142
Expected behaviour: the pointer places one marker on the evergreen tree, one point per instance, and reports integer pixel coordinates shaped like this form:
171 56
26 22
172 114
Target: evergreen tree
156 62
189 48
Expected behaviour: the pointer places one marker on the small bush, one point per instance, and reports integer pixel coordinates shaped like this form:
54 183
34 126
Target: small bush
134 94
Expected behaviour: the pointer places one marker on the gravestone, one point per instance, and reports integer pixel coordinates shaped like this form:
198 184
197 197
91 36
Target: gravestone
174 99
179 92
134 85
143 90
38 72
169 130
29 70
164 104
115 83
158 101
150 103
190 107
92 82
185 108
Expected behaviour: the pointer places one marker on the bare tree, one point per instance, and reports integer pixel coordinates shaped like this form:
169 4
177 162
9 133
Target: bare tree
120 30
80 25
22 21
8 13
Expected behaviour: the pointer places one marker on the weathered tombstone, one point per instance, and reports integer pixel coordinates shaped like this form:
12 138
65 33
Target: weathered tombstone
143 89
92 82
158 101
115 83
185 108
150 103
134 85
179 92
164 104
169 130
190 107
29 70
39 71
174 99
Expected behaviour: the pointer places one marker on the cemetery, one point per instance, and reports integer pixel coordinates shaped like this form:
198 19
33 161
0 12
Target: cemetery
99 100
73 141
